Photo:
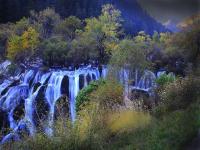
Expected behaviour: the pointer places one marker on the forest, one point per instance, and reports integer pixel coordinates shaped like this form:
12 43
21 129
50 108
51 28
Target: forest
109 114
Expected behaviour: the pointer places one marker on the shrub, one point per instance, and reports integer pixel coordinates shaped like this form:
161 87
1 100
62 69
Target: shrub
165 79
83 95
108 95
127 120
179 94
172 132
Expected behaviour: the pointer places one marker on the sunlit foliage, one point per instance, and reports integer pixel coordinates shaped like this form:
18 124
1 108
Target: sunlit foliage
21 46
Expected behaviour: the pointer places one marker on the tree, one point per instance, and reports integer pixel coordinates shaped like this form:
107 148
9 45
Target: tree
183 48
129 55
6 30
14 47
103 31
68 27
23 47
47 20
21 26
54 51
30 39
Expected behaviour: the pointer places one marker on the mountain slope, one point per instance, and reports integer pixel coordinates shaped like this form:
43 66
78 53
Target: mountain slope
135 18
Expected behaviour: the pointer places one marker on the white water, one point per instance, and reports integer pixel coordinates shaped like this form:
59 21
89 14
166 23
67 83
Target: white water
52 83
27 91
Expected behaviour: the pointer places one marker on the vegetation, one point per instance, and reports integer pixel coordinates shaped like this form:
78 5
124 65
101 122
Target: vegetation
137 20
107 120
165 79
83 96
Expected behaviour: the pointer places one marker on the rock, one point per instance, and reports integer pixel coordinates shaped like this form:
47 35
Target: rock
136 94
15 83
81 81
65 86
147 101
88 78
23 130
93 77
41 107
18 112
36 86
4 123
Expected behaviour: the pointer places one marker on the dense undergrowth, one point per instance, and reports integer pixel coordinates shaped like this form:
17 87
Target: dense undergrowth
103 121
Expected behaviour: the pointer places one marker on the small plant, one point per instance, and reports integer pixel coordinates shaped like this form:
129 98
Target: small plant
165 79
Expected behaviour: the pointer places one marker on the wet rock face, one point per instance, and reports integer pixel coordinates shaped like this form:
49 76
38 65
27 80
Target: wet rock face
147 103
137 94
62 108
47 80
23 130
88 78
41 107
65 86
15 83
81 82
4 123
18 112
93 77
36 86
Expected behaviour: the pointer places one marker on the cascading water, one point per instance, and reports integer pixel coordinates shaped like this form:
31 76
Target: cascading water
30 87
52 94
30 101
34 83
147 80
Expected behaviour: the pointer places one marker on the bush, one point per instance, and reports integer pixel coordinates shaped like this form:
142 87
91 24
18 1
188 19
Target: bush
83 95
108 95
172 132
165 79
179 95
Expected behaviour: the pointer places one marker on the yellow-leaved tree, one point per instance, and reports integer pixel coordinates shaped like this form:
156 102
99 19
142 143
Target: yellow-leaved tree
24 46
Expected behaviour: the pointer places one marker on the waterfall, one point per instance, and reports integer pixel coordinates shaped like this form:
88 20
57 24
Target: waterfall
72 97
4 85
32 82
30 100
52 94
4 65
49 84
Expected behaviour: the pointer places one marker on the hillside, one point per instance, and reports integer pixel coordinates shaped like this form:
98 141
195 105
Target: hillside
135 18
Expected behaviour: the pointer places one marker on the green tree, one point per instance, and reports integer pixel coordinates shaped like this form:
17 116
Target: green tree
54 51
102 32
46 21
21 26
6 30
68 27
130 55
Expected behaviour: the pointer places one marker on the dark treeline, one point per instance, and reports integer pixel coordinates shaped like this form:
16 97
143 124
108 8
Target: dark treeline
135 19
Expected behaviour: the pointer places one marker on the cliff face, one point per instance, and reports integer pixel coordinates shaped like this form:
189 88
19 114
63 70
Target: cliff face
135 18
